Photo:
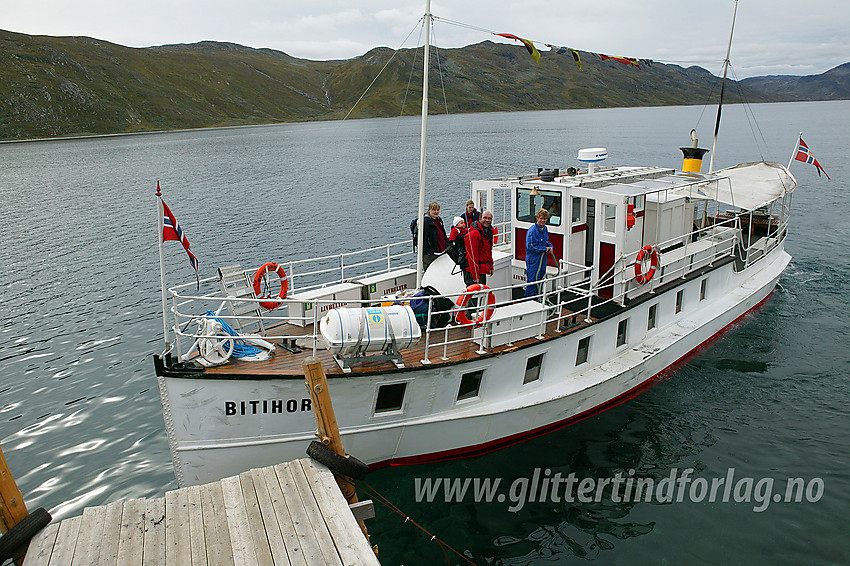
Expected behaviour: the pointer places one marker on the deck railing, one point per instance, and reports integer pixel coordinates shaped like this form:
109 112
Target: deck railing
568 297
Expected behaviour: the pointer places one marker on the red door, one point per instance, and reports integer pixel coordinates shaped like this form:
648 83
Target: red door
606 262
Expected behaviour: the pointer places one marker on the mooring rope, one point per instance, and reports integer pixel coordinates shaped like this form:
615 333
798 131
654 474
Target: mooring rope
407 519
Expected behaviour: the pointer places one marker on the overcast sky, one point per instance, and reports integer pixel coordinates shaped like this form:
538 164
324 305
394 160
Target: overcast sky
771 36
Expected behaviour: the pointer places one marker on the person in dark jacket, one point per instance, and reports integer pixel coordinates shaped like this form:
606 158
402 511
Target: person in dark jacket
537 246
434 238
470 215
480 250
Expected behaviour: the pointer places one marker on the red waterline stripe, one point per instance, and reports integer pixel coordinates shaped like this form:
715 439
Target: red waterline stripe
493 445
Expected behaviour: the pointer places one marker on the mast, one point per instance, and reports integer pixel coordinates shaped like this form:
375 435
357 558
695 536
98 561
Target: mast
160 215
722 88
424 135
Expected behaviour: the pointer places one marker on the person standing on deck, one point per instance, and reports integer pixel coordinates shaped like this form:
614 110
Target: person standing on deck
537 246
480 250
470 215
434 238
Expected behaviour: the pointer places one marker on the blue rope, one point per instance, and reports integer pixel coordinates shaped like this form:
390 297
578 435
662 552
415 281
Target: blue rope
240 348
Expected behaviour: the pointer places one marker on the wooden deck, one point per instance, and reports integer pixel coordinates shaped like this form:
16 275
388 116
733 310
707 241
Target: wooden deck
291 514
460 348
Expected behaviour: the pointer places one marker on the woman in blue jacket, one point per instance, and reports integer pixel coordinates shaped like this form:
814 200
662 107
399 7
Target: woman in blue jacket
537 245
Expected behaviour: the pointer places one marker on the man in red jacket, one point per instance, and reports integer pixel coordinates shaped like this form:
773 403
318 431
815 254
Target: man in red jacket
480 250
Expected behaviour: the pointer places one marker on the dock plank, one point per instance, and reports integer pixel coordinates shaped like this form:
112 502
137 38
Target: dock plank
197 539
255 521
237 522
132 538
88 539
66 542
314 514
352 546
312 547
153 552
281 509
287 515
41 546
111 533
219 551
272 527
177 528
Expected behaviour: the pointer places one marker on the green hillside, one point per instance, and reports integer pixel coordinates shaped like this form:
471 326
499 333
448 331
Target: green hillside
63 86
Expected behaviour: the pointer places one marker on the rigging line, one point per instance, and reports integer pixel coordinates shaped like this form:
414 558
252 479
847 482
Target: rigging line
440 69
390 505
412 68
748 111
382 70
707 102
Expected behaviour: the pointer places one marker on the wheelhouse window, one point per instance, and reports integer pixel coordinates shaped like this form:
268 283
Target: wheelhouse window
532 369
577 216
622 330
703 288
390 397
680 297
470 384
651 319
583 349
610 211
528 204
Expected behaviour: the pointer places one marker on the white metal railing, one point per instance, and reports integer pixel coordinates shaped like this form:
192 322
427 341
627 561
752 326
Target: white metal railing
567 296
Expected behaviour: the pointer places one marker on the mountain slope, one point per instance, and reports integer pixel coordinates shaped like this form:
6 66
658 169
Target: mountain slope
60 86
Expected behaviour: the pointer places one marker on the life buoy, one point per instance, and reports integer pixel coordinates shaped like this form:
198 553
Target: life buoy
640 277
464 299
284 284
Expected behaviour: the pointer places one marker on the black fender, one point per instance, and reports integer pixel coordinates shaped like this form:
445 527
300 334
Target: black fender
15 542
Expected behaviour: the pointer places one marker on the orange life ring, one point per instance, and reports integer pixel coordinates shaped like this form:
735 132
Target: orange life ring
284 284
640 277
464 299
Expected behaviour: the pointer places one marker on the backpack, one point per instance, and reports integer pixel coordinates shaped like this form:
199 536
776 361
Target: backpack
440 308
414 231
457 251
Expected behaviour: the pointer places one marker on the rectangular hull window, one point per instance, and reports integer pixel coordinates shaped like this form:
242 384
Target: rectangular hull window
703 287
651 323
583 348
390 397
470 383
621 332
532 368
680 296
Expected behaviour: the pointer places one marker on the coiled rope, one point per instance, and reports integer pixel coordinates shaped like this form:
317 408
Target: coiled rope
241 349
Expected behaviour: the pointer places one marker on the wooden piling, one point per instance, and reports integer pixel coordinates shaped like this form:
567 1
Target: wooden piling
328 429
12 506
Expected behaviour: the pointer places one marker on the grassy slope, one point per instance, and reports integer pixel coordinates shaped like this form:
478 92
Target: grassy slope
58 86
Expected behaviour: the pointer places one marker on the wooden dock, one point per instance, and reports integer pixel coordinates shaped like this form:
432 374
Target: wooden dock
291 514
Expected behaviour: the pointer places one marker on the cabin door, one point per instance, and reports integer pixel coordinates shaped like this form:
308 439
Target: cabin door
606 273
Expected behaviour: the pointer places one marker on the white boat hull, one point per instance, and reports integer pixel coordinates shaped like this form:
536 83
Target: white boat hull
218 427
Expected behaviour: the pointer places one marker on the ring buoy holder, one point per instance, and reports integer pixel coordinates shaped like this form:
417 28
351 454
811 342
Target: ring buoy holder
462 301
641 277
284 284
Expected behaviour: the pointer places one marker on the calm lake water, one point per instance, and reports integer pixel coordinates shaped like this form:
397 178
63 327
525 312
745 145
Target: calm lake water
80 419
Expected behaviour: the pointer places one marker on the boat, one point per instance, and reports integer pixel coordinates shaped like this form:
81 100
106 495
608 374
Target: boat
648 265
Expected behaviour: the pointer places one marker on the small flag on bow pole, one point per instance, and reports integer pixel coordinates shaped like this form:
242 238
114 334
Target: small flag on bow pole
802 153
171 231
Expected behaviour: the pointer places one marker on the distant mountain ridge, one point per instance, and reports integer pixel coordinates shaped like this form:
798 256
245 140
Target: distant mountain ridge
63 86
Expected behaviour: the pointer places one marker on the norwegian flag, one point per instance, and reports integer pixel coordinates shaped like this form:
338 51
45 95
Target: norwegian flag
171 231
804 155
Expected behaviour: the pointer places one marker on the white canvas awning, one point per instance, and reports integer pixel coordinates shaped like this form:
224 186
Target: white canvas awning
750 185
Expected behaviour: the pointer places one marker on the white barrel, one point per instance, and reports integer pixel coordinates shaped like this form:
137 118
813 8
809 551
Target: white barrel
372 329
